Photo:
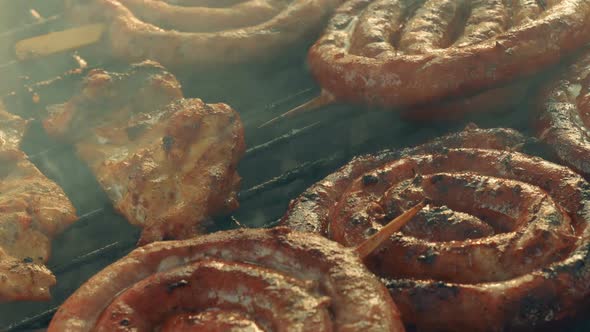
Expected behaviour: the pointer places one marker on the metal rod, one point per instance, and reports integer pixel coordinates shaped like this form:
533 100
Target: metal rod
84 219
281 139
289 176
288 98
110 249
29 322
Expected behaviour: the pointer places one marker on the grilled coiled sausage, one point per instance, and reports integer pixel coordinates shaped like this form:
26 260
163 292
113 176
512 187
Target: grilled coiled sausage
202 33
400 53
504 244
270 280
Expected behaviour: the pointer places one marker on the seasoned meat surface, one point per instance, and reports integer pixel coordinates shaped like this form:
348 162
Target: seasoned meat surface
239 280
33 209
503 246
198 34
409 52
167 163
563 118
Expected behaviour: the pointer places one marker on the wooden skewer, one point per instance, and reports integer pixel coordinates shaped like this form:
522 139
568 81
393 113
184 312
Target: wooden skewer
372 243
61 41
35 14
325 98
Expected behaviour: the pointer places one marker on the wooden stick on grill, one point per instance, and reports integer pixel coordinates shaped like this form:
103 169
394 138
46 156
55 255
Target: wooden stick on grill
195 34
372 243
57 42
324 99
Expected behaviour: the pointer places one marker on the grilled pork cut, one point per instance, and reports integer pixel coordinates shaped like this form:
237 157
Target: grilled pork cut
167 163
33 209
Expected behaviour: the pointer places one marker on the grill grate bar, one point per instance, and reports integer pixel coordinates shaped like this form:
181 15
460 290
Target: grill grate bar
39 27
292 134
114 248
85 219
287 99
290 176
31 322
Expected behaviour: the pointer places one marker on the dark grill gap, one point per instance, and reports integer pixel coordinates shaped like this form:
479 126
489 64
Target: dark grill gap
280 163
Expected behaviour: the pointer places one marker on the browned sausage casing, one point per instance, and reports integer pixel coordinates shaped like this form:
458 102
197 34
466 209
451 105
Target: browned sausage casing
504 244
251 280
393 53
564 115
202 33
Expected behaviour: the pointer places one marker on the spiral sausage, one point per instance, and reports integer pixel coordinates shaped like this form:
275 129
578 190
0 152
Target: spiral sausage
505 243
270 280
204 32
564 115
393 53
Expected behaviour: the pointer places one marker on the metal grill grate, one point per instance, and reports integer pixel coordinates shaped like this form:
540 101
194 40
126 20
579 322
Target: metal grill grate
280 163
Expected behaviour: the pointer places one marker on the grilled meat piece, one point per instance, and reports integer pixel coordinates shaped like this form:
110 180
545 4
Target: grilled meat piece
563 119
505 243
167 163
203 33
269 279
33 210
405 53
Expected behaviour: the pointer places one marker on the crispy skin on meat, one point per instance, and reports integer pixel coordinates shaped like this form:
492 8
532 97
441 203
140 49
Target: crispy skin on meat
33 209
167 163
266 279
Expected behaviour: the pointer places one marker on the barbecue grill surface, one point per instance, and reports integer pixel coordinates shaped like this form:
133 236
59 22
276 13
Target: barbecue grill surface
281 161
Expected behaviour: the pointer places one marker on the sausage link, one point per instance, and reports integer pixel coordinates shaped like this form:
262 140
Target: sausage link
183 18
431 27
488 19
446 49
563 117
272 279
516 272
203 32
376 27
525 11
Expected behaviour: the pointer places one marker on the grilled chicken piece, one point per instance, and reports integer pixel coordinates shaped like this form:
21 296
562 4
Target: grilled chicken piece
33 209
167 163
